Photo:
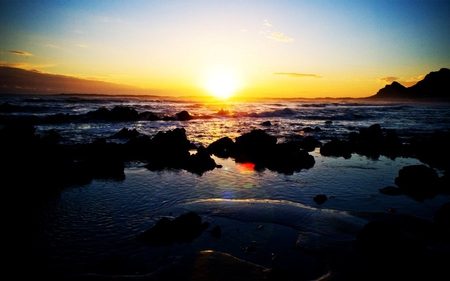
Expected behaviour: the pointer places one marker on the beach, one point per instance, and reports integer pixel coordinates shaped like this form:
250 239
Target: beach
86 196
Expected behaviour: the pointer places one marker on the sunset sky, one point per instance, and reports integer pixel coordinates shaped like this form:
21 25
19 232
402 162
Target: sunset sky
261 48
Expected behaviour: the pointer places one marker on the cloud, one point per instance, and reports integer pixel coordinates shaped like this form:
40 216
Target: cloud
52 46
388 79
299 75
279 36
21 53
81 45
266 23
405 82
412 81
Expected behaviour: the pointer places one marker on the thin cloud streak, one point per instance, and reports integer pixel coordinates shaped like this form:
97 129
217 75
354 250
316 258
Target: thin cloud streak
20 53
407 82
389 79
279 36
298 75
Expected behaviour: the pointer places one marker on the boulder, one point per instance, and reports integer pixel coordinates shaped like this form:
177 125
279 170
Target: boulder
418 181
200 162
310 143
223 147
390 190
125 133
184 116
286 158
336 148
182 229
253 146
320 199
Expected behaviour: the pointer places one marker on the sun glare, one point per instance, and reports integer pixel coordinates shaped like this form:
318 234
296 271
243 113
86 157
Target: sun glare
221 83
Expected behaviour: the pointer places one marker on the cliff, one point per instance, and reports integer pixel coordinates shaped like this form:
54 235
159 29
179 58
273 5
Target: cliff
435 85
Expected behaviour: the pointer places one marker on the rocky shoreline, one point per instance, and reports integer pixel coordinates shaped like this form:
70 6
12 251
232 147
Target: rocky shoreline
41 165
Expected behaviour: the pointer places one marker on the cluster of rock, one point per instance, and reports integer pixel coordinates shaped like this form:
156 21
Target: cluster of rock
262 149
372 142
29 159
116 114
417 181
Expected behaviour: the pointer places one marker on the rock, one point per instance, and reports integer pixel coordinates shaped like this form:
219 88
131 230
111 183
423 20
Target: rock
310 143
254 145
390 190
309 129
124 113
223 147
320 199
149 116
418 181
442 215
125 133
286 158
182 229
266 123
200 162
118 113
184 116
216 232
336 148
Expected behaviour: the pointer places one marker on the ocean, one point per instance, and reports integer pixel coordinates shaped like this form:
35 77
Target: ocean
92 227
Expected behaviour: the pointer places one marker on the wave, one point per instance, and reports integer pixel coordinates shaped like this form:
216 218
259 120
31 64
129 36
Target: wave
275 113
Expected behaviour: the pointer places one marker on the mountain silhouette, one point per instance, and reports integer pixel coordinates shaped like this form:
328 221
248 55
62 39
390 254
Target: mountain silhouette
436 84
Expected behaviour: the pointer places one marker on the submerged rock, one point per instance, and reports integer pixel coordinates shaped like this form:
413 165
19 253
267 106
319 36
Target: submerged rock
182 229
320 199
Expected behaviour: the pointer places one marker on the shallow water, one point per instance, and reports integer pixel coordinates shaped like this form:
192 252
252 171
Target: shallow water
90 224
92 228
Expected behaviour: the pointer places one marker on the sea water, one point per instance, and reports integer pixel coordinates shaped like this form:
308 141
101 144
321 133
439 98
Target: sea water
85 227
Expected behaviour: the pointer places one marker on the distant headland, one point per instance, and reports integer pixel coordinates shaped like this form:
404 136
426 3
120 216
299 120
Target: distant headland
435 84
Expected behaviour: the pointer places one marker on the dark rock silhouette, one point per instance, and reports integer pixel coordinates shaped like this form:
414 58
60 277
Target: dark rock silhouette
320 199
125 133
216 232
184 116
442 215
252 146
434 85
391 190
418 181
261 149
223 147
394 90
337 148
372 142
200 162
182 229
400 250
118 113
286 158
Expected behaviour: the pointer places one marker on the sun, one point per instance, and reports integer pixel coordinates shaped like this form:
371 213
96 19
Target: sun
222 83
